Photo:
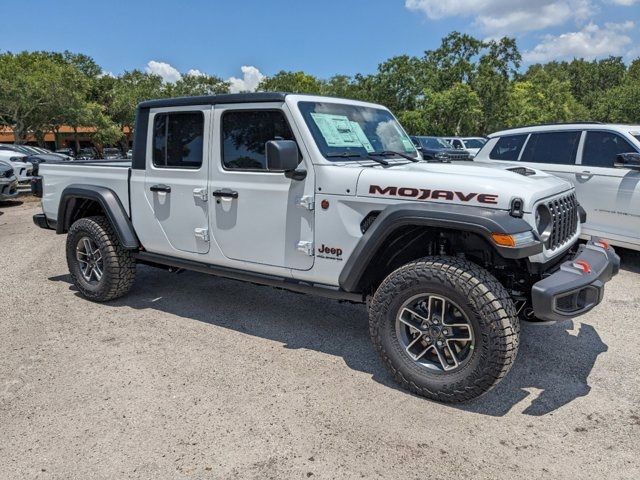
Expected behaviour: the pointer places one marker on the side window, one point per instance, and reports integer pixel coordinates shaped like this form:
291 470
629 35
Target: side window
457 144
558 148
245 133
601 148
508 148
178 139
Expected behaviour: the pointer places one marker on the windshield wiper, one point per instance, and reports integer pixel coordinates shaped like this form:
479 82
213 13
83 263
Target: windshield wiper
353 155
399 154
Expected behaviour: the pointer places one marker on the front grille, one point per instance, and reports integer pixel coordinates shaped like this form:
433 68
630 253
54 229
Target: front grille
564 215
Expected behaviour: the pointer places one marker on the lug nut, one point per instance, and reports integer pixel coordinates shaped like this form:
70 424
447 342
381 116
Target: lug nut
427 339
440 343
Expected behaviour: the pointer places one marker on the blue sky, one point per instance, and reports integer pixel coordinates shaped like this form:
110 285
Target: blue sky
320 37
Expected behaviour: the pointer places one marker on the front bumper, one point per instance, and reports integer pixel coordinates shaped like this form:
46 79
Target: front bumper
9 190
578 285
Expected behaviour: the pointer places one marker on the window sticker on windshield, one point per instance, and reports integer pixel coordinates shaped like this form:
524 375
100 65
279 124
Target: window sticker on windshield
355 126
337 130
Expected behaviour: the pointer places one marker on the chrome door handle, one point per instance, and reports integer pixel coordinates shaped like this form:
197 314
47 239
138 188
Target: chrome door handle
160 188
585 173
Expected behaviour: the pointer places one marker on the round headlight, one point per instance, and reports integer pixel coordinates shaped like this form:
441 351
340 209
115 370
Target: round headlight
544 222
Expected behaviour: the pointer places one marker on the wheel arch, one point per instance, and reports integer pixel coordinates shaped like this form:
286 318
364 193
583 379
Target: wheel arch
79 201
398 227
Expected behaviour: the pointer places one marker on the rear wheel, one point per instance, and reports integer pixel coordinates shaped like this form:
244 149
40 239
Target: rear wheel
445 328
101 269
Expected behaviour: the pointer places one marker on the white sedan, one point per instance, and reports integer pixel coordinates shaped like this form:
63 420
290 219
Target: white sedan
21 167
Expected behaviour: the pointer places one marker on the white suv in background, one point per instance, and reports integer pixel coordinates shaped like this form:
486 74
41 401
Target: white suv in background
601 160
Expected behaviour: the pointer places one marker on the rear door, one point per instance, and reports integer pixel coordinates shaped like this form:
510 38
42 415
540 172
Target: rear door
176 178
610 195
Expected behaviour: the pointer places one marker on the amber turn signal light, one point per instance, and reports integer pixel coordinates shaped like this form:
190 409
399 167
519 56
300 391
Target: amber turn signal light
503 239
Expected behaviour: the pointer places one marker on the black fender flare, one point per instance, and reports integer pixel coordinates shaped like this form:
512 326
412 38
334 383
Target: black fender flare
479 220
109 202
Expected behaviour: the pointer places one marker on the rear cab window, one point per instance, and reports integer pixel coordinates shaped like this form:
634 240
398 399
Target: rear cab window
178 140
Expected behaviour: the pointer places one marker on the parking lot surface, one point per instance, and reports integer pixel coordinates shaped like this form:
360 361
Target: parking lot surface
192 376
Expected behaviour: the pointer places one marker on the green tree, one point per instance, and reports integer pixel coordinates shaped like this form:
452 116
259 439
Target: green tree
194 85
35 90
542 99
293 82
128 91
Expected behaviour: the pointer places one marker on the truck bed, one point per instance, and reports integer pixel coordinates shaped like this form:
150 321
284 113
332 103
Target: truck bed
105 173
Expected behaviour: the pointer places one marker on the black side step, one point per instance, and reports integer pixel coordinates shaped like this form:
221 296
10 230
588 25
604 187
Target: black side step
326 291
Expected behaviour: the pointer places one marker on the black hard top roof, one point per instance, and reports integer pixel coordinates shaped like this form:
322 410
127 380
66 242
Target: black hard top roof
215 99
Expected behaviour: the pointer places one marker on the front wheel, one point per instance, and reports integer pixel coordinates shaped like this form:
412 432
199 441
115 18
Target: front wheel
101 269
445 328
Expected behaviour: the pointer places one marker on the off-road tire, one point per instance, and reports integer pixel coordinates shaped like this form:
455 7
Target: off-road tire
488 307
119 265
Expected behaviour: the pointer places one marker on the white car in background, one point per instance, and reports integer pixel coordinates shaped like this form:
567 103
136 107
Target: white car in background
19 163
601 160
8 182
470 144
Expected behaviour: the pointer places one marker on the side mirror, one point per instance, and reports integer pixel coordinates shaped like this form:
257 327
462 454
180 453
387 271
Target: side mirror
628 160
283 156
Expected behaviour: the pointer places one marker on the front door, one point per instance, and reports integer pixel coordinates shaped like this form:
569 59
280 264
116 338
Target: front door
176 178
259 216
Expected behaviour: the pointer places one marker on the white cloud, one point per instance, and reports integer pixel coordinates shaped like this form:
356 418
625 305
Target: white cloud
590 42
505 17
167 72
194 72
251 77
626 3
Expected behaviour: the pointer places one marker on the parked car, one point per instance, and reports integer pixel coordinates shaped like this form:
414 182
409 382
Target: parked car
436 148
602 161
67 152
18 161
31 150
8 181
470 144
111 153
328 196
86 154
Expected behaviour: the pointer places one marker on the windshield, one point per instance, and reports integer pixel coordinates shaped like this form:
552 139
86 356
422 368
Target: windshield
434 142
343 131
637 135
473 143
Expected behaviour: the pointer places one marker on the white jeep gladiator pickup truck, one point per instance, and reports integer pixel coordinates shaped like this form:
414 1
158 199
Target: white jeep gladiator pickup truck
329 196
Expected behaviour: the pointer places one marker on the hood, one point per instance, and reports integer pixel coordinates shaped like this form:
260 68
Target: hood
465 183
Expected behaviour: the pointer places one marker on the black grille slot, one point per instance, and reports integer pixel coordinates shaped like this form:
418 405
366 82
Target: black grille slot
564 215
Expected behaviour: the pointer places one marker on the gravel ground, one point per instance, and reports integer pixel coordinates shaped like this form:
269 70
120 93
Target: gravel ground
191 376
